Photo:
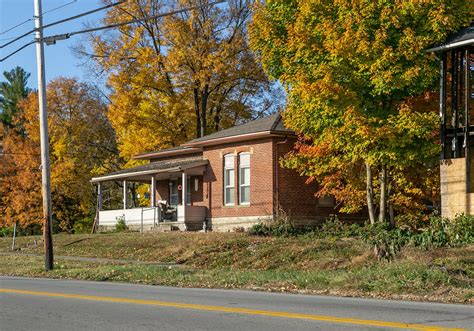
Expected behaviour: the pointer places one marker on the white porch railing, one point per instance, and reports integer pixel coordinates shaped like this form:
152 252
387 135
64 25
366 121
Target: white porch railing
149 217
140 217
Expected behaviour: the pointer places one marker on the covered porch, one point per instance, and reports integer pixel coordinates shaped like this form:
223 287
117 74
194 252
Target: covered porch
170 199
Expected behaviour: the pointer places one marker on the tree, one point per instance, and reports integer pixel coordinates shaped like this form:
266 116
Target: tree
12 91
82 145
179 77
354 72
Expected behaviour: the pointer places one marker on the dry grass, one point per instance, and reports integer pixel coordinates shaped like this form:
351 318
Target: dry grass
237 260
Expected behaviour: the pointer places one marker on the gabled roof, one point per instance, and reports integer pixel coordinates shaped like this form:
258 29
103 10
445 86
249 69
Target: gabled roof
459 39
272 124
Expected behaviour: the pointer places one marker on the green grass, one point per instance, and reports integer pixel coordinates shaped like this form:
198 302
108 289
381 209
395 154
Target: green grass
236 260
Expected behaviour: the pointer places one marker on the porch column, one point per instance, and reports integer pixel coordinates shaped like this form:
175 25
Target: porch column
153 191
99 197
124 194
184 183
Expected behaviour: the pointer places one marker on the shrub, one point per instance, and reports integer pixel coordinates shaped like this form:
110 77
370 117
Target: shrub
84 225
387 242
282 226
120 226
6 232
445 232
334 227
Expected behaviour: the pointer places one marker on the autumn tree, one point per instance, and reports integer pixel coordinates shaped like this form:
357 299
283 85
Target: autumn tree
178 77
82 145
355 72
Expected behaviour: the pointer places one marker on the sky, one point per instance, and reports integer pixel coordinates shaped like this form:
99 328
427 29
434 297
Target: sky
59 58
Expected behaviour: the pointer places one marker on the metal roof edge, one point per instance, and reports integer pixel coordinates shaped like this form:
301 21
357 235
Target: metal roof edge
149 172
450 46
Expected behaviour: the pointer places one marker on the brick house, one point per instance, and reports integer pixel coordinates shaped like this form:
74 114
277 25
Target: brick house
230 179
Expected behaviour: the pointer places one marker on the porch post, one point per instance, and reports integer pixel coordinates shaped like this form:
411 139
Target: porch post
124 194
99 197
153 191
184 182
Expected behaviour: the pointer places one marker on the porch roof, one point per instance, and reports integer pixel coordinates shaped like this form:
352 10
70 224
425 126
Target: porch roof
152 168
461 38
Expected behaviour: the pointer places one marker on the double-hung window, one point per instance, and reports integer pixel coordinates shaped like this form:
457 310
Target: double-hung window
244 178
229 175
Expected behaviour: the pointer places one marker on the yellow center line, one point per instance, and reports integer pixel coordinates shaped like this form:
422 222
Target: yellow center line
330 319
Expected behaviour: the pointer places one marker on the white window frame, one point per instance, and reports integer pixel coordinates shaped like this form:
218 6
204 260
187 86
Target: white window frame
241 184
228 166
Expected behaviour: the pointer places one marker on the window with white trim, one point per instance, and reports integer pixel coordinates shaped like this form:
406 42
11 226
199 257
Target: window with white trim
244 178
229 175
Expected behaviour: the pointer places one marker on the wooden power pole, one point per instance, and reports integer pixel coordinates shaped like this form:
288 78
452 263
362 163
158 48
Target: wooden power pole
43 119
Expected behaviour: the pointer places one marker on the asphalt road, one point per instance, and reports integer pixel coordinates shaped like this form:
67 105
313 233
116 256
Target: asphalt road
46 304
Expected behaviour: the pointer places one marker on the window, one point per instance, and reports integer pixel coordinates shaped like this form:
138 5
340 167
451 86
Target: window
244 178
229 188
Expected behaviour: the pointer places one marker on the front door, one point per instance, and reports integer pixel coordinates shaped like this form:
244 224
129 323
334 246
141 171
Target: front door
174 194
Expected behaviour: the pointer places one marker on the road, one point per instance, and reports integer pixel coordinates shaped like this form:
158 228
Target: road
46 304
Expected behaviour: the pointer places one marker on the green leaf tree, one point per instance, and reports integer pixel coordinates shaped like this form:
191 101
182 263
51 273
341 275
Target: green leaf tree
356 77
12 91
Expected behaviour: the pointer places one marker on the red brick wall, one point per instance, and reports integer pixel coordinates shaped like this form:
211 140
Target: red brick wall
293 195
261 179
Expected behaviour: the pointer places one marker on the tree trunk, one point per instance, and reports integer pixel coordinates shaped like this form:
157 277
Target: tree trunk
391 214
383 193
370 194
217 118
204 98
198 113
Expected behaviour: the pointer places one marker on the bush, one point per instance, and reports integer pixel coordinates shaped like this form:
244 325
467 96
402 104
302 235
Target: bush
121 226
334 227
84 225
280 227
445 232
387 242
6 232
440 232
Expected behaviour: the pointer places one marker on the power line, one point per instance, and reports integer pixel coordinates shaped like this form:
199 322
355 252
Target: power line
16 51
31 19
16 26
52 39
59 7
62 21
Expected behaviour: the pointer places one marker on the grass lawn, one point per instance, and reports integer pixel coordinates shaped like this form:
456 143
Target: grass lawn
237 260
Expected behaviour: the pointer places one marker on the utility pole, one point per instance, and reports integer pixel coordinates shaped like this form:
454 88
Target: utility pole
43 118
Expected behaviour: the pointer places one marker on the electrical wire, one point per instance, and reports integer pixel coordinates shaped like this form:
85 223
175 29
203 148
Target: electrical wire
31 19
16 26
16 51
59 7
62 21
52 39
